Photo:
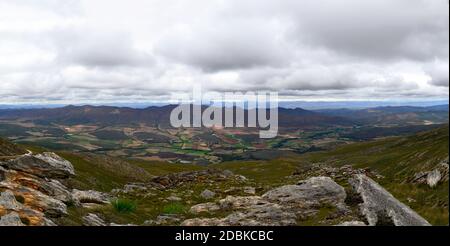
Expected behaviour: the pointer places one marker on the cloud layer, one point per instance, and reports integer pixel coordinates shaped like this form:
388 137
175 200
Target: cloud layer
140 50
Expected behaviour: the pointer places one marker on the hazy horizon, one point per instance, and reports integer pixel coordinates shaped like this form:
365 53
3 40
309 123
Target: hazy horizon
310 105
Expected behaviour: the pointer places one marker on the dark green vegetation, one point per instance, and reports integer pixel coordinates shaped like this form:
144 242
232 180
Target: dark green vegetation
175 208
103 173
110 135
124 205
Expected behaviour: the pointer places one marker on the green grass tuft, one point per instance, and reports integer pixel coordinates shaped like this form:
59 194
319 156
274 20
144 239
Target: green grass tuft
174 208
124 205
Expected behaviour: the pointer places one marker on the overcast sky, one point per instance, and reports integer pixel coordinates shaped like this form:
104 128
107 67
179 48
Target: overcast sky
74 51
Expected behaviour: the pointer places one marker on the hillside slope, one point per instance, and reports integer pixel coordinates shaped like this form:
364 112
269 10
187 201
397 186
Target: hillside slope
399 160
395 160
9 149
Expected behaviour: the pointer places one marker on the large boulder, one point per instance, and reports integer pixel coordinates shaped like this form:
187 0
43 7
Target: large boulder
16 180
10 207
315 191
439 174
380 207
43 165
31 191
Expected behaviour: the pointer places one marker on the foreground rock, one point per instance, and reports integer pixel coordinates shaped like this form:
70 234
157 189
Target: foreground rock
380 207
47 165
31 192
11 219
10 207
282 206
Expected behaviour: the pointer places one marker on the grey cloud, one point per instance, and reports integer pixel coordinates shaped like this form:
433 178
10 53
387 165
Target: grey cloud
438 72
383 29
92 48
226 45
64 8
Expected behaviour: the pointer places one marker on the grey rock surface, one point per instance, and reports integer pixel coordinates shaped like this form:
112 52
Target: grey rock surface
9 202
379 205
93 220
278 207
352 223
42 165
11 219
207 194
433 178
312 192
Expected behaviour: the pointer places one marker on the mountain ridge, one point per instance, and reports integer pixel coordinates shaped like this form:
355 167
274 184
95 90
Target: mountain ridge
153 115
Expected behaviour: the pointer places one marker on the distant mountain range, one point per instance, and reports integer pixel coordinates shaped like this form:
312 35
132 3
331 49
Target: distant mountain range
309 105
160 116
155 116
394 115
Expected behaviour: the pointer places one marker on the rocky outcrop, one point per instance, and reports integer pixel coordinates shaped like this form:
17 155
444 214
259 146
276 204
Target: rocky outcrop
366 204
11 219
380 207
278 207
432 178
46 165
10 207
31 190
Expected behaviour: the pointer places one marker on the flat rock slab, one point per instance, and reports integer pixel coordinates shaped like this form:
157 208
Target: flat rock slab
312 192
